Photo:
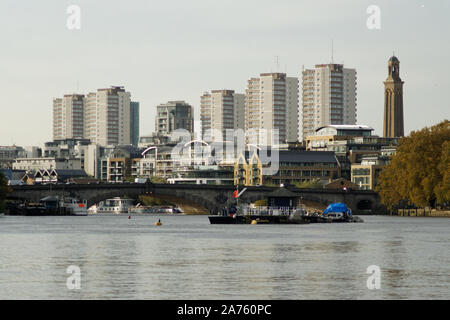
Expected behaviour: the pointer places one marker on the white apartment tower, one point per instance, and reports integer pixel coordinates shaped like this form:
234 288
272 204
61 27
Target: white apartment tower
68 117
271 102
107 116
329 97
222 110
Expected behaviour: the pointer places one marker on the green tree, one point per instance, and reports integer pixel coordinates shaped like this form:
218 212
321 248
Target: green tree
156 179
419 171
4 190
152 201
313 184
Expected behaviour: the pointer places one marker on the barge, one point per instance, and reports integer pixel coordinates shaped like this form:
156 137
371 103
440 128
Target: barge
283 208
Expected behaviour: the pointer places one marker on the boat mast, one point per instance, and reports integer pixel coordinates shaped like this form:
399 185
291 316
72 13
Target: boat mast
237 196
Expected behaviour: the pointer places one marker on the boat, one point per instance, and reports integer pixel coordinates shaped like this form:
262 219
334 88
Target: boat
49 206
78 207
339 212
115 205
283 207
249 214
155 210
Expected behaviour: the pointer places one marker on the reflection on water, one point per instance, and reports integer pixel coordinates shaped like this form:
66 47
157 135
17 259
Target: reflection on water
188 258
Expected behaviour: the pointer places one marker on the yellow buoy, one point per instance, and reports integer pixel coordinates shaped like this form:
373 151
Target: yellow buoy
254 222
158 223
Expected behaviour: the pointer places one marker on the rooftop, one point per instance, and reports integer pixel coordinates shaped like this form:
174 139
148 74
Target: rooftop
346 127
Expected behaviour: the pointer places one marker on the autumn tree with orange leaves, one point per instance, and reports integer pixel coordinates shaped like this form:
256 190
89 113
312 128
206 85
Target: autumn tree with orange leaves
419 172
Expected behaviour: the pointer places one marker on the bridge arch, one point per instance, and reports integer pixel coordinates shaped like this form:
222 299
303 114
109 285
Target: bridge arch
364 204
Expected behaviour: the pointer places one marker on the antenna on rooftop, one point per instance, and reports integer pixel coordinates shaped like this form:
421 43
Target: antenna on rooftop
278 64
332 52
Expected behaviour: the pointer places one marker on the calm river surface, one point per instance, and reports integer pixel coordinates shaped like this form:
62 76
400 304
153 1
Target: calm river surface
187 258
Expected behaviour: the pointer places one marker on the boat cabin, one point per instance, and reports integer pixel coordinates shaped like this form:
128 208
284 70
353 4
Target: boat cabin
283 198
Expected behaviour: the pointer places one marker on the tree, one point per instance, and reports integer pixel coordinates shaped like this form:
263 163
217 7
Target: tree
419 171
4 190
153 201
313 184
156 179
442 190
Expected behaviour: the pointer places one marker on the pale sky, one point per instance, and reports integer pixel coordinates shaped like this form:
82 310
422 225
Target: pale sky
177 49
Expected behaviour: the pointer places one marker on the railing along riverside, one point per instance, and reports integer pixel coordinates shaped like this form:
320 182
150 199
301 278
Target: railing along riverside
265 210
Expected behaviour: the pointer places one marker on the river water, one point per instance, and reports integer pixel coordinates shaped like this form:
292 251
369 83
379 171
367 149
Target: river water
187 258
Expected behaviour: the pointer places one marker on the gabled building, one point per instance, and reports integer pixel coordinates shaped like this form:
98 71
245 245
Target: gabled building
293 167
54 176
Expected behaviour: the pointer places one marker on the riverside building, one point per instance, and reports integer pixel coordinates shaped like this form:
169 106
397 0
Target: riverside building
105 117
221 110
173 115
328 97
271 106
108 116
68 117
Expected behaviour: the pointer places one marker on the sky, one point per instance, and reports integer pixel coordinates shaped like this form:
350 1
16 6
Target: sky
178 49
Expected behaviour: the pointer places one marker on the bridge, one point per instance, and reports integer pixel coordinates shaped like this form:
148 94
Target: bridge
211 197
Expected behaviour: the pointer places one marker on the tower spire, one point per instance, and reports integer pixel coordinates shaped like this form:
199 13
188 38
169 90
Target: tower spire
393 123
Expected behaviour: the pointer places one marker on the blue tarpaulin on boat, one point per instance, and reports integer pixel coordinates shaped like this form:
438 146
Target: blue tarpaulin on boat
337 207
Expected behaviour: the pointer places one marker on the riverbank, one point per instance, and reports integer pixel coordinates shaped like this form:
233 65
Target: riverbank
423 212
188 207
312 206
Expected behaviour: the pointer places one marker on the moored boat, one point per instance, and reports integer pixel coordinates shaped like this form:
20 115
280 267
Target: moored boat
115 205
50 206
261 215
283 207
155 210
339 212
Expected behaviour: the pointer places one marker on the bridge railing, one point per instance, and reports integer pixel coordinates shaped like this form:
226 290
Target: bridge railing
266 210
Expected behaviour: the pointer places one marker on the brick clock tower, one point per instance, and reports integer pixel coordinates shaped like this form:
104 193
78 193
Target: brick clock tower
393 124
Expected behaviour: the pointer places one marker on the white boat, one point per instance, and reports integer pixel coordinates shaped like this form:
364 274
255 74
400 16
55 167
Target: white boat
77 207
115 205
155 210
